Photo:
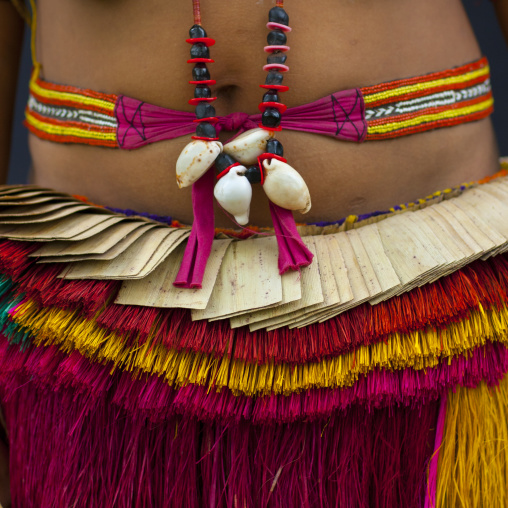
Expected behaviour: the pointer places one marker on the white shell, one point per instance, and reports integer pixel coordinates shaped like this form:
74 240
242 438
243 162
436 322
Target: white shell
285 187
247 147
196 158
234 193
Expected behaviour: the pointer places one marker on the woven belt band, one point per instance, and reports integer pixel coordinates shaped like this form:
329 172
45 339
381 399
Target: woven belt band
441 99
67 114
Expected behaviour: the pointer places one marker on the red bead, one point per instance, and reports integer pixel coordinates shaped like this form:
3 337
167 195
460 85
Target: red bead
274 129
280 88
204 139
276 66
211 119
269 49
194 101
277 105
200 60
205 40
204 82
271 25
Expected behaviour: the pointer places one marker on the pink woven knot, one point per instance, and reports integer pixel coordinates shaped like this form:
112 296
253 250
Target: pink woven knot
236 121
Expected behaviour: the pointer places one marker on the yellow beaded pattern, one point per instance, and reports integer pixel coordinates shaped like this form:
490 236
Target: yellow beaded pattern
419 104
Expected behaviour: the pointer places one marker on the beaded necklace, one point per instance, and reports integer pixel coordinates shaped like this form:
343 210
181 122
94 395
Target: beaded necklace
251 158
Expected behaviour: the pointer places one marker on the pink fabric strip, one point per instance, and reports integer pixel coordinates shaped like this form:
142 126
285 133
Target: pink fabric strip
430 495
293 253
200 241
340 115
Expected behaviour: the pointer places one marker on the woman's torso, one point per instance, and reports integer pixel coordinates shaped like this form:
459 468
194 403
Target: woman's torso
138 49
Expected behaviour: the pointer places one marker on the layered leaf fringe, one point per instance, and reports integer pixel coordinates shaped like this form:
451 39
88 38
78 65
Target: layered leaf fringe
483 284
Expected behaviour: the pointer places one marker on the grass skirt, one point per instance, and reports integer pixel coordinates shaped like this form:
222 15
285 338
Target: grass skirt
403 403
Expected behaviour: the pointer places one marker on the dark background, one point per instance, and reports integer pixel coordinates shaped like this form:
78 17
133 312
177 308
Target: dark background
482 18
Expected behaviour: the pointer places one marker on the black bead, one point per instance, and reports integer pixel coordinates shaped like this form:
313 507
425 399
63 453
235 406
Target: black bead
199 50
275 147
271 96
253 174
197 31
202 92
274 78
278 58
204 110
271 117
276 38
200 73
278 15
223 161
206 130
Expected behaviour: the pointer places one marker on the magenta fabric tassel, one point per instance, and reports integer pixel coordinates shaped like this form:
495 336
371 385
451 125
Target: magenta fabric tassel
293 253
200 241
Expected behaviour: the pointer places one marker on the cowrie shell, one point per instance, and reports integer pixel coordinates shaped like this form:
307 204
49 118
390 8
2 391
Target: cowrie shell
195 160
285 187
247 147
234 193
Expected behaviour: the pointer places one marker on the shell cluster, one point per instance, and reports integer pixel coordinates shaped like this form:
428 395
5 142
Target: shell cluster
283 185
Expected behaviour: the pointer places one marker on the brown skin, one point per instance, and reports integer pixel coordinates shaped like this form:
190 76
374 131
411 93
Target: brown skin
113 37
97 43
138 49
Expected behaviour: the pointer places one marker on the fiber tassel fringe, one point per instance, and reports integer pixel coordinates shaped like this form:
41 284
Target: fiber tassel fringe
430 498
473 460
481 285
157 401
62 456
418 350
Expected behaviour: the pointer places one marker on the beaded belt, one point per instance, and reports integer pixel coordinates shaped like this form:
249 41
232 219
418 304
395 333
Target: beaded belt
68 114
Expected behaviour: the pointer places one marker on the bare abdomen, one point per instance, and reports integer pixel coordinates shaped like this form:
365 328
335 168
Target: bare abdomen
138 49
